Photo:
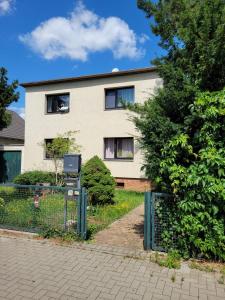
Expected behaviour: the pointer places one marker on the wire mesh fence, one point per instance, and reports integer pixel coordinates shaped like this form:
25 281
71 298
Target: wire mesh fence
157 220
32 208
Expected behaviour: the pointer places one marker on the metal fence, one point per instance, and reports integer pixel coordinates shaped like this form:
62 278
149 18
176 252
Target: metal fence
156 220
32 208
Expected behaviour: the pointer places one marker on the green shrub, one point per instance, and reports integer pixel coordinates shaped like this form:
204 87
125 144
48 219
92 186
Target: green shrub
97 178
65 236
2 205
6 190
34 177
195 166
7 193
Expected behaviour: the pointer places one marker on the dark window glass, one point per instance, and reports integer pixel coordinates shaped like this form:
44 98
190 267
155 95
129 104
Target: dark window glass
57 103
48 151
119 148
48 142
115 98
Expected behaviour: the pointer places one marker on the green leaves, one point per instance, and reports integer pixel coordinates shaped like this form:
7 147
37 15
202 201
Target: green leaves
193 34
182 126
194 164
58 147
96 177
8 95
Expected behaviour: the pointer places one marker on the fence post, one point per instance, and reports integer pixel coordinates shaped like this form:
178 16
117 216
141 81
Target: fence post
147 221
79 212
83 214
65 211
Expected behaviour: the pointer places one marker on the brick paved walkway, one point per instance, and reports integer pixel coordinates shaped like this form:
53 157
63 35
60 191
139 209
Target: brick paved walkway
31 269
126 232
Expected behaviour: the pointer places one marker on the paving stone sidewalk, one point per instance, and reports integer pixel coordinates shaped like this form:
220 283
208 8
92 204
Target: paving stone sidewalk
32 269
126 232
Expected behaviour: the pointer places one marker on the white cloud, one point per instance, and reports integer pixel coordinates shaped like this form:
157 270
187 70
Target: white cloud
143 38
5 6
19 110
82 33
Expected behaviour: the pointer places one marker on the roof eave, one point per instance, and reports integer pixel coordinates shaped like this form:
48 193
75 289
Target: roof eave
89 77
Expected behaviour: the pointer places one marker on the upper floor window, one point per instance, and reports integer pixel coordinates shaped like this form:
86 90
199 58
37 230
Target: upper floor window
114 98
57 103
119 148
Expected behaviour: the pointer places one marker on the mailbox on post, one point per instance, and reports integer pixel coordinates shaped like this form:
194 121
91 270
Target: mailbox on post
72 168
72 163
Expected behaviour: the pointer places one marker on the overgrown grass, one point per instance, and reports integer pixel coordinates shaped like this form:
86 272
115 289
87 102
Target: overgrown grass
171 260
18 210
100 217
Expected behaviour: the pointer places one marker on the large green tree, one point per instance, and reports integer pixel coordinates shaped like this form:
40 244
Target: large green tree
194 165
8 95
182 125
192 34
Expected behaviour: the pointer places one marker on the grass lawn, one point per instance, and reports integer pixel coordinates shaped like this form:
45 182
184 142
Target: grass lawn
18 211
100 217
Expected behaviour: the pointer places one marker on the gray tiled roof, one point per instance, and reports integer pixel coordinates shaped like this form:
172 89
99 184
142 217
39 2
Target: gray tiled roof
16 129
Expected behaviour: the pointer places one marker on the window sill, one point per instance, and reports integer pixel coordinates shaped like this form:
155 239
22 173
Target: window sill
57 113
116 108
52 158
119 159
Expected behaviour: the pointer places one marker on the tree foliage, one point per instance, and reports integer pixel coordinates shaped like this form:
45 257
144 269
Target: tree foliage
192 33
182 124
8 95
194 163
99 182
61 145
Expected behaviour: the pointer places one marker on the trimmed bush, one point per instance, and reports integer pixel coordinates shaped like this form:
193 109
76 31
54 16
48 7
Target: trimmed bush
34 177
97 178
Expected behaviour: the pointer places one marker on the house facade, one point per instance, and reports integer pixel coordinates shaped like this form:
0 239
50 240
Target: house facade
92 106
12 148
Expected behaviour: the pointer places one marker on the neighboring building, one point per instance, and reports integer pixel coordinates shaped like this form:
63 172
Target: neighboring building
90 105
11 148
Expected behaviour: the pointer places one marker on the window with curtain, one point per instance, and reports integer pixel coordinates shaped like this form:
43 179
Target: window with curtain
114 98
119 148
57 103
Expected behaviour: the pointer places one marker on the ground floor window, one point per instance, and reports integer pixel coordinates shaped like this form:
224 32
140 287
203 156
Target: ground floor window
52 149
119 148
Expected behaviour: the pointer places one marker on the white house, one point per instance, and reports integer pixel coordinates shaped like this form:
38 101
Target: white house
92 106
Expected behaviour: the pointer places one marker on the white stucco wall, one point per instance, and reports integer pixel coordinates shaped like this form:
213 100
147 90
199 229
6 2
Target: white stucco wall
88 116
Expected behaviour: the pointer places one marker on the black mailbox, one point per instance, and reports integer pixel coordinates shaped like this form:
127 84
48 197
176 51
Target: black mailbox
72 163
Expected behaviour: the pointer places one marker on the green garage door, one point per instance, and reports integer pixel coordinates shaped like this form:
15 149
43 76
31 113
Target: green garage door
10 165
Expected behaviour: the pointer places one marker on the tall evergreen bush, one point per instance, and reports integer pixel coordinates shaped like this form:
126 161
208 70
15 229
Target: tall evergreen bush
99 182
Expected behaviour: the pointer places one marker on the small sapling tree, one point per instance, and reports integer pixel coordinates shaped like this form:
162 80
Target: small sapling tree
56 148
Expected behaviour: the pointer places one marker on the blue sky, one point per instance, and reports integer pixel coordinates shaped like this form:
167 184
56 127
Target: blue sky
48 39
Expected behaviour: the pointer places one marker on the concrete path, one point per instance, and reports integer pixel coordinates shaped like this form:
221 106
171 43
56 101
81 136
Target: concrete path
31 269
126 232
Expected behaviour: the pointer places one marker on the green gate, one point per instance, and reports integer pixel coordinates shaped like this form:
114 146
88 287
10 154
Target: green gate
155 219
10 165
